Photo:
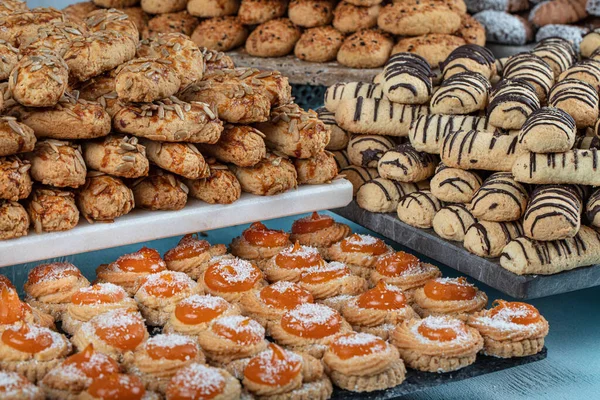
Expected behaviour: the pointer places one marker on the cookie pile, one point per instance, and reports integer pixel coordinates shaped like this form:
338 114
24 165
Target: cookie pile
498 154
103 122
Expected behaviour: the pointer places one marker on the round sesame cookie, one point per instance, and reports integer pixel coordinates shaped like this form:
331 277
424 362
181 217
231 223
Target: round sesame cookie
275 38
368 48
221 33
320 44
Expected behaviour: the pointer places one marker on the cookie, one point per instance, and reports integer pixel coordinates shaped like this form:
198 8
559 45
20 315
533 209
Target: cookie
475 6
215 61
78 10
364 3
341 158
351 90
500 199
592 209
349 18
590 43
577 98
182 159
310 13
407 79
418 18
462 93
553 213
220 34
587 142
14 221
576 166
504 28
454 185
452 222
418 209
112 20
383 195
221 187
316 170
373 42
548 130
557 12
557 52
271 176
405 164
531 69
367 150
104 198
587 71
52 210
15 181
159 191
488 239
471 30
358 176
138 17
469 57
9 56
255 12
320 44
511 103
146 80
178 22
274 38
434 47
338 138
117 155
212 8
57 163
15 137
39 79
239 144
162 6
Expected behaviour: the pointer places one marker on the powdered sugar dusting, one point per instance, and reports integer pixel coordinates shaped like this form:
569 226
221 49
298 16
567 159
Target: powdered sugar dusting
117 319
438 323
169 341
236 270
104 288
300 251
309 314
361 339
12 384
329 267
362 240
199 378
284 286
169 279
204 301
239 324
272 366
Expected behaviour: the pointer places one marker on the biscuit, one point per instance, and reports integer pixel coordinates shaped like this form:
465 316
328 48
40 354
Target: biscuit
418 209
338 138
553 213
272 84
586 71
407 79
511 103
383 195
587 142
274 38
138 17
557 52
9 57
104 198
15 137
316 170
15 181
80 10
221 187
349 18
255 12
592 209
428 131
452 222
14 221
215 60
405 164
500 199
310 13
146 80
490 151
114 21
434 47
162 6
373 42
471 30
57 163
377 116
240 145
39 79
182 159
220 34
341 158
52 210
320 44
272 175
159 191
11 6
364 3
502 27
54 37
212 8
117 155
579 99
469 57
115 3
590 43
179 22
351 90
454 185
558 12
367 150
22 26
475 6
571 167
526 256
488 239
531 69
418 19
462 93
358 176
548 130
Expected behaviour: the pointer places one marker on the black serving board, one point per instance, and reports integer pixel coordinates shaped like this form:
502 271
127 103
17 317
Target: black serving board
417 381
454 255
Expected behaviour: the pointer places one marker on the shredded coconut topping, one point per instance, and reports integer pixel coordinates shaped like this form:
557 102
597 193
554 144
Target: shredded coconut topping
359 339
436 322
363 240
235 270
308 314
55 271
169 340
302 251
117 319
168 279
103 288
238 324
204 301
272 366
199 377
35 331
328 267
12 384
502 319
284 286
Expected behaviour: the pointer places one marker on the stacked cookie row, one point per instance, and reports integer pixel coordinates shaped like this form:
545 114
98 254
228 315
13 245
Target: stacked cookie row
126 123
500 156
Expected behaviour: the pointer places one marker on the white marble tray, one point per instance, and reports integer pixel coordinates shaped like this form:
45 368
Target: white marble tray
140 226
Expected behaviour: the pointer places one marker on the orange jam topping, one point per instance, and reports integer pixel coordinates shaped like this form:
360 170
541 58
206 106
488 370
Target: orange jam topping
238 329
171 347
515 312
312 321
12 310
311 224
363 244
448 289
356 345
232 275
117 387
297 256
167 284
324 274
196 382
93 364
5 282
100 293
441 329
28 338
382 297
52 272
188 247
273 367
396 264
144 260
198 309
259 235
121 329
285 295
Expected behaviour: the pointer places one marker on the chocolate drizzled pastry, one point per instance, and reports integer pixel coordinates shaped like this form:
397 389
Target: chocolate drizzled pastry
557 52
553 213
500 199
487 239
405 164
407 79
580 99
511 102
548 130
462 93
571 167
351 90
470 57
531 69
428 131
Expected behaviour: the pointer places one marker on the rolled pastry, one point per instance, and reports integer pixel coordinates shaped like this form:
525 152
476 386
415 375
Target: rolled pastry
117 155
553 213
462 93
531 69
146 80
182 159
383 195
407 79
418 209
351 90
500 199
487 239
405 164
454 185
511 102
221 187
240 145
453 221
548 130
104 198
572 167
579 99
316 170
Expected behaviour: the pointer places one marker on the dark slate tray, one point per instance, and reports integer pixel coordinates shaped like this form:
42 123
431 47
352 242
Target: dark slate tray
417 381
454 255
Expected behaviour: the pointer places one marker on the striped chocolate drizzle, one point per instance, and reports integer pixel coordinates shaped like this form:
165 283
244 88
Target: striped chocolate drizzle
326 116
514 91
473 52
421 197
462 213
557 50
395 112
371 148
439 126
543 250
458 181
590 68
593 206
548 116
510 230
501 184
549 201
530 68
554 160
405 152
468 139
407 64
364 173
573 89
466 84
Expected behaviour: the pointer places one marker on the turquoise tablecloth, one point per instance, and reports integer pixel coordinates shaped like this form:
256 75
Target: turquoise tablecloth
571 371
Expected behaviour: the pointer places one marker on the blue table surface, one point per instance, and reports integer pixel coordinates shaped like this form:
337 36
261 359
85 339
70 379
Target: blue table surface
571 371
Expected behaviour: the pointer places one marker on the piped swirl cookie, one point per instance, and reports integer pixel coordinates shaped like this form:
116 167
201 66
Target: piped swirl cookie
454 297
259 243
318 230
231 278
192 255
289 263
359 252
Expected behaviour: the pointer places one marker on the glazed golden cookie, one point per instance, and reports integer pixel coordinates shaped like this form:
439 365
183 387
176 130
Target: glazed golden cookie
15 386
14 222
578 98
320 44
231 278
274 38
453 221
52 210
319 231
104 198
239 145
434 47
359 252
177 22
255 12
198 380
195 313
487 239
146 80
454 297
437 344
162 6
117 155
316 170
349 18
129 269
49 287
510 329
15 182
463 93
416 19
370 41
182 159
122 385
310 13
270 176
290 262
159 190
193 256
220 34
331 280
548 130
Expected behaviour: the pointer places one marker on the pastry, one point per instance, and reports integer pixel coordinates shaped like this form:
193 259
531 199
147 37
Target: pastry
586 71
118 386
404 164
230 278
13 311
453 221
177 22
553 213
115 3
201 381
470 57
592 209
57 163
259 243
117 155
15 182
274 38
590 43
15 137
454 185
31 350
16 387
511 103
316 170
159 190
14 222
574 167
471 30
138 17
49 287
349 18
330 280
452 297
510 329
309 328
359 252
350 91
159 293
377 116
557 52
434 47
11 6
220 33
255 12
338 138
361 362
79 10
112 20
367 150
195 313
418 209
558 12
162 6
182 159
220 187
291 262
310 13
22 26
579 99
500 198
320 44
88 302
270 176
52 210
104 198
146 80
475 6
487 239
212 8
215 60
271 84
407 79
129 269
374 42
462 93
358 176
416 19
320 231
383 195
193 256
504 28
10 58
531 69
587 142
101 89
548 130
